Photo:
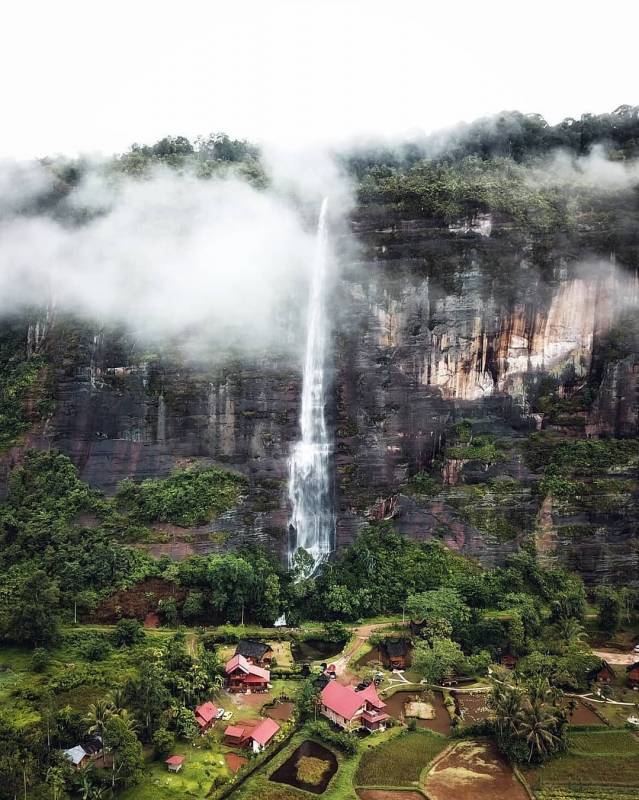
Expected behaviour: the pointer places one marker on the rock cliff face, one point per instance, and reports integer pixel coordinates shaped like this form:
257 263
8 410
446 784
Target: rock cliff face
432 327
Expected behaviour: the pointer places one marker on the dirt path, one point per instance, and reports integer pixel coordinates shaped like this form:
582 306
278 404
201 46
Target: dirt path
615 657
473 770
361 634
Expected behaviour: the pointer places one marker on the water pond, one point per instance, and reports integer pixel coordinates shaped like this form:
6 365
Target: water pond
308 754
315 650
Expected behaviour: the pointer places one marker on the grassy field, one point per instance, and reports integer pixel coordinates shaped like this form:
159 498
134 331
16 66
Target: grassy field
400 761
200 770
596 760
586 793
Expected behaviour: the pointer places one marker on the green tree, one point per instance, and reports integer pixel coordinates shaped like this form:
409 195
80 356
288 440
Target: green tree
609 609
439 660
29 613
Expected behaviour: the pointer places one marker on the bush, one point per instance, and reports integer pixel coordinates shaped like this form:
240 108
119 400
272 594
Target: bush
322 730
163 742
187 497
128 632
40 659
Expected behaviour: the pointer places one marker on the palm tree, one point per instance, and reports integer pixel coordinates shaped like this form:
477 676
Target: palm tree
570 630
98 715
537 723
505 701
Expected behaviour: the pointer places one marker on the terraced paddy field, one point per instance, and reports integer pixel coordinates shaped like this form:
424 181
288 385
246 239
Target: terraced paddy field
598 765
400 761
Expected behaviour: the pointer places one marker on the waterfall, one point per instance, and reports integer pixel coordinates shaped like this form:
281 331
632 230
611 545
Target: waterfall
312 522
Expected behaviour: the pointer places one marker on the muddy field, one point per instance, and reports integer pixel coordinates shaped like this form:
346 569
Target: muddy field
473 770
583 715
473 706
395 706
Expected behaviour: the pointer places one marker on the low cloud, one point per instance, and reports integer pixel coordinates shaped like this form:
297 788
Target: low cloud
214 260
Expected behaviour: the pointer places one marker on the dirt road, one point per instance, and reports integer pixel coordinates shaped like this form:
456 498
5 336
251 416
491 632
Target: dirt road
615 657
361 634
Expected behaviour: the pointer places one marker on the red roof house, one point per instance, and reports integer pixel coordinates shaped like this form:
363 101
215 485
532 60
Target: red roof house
174 763
235 734
205 716
257 737
350 709
263 733
242 676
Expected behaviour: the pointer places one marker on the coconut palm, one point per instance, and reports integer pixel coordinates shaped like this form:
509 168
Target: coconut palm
505 700
570 631
98 715
536 724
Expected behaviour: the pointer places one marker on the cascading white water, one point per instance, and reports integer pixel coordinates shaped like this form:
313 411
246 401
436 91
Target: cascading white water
312 523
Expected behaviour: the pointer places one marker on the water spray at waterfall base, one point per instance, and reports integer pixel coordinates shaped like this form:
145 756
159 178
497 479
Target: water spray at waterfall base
312 522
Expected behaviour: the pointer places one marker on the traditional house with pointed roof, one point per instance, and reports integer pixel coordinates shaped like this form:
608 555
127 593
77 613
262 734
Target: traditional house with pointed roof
397 652
632 671
205 716
604 673
242 676
255 652
350 709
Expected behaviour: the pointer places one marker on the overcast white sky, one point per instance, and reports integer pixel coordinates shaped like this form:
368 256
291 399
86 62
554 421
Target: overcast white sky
91 75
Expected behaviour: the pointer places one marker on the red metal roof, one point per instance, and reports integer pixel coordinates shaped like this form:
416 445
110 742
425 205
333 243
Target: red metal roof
343 700
371 696
265 731
239 662
174 761
234 731
207 711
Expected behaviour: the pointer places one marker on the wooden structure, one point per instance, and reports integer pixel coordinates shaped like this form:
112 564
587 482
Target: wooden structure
255 652
174 763
350 709
242 676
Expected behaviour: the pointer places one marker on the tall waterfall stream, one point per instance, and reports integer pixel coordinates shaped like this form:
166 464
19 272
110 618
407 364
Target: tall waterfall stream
312 522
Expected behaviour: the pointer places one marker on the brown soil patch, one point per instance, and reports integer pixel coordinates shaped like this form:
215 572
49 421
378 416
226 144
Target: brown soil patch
151 620
388 794
137 601
396 708
474 707
235 762
473 770
583 715
281 711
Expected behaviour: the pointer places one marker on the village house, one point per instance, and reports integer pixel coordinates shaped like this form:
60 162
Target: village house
508 660
257 738
632 673
80 755
350 709
397 652
604 673
205 716
242 676
255 652
174 763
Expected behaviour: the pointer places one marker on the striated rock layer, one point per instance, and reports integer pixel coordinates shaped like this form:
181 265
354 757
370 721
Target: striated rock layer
431 325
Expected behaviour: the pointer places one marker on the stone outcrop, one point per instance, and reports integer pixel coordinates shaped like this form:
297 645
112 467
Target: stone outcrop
433 325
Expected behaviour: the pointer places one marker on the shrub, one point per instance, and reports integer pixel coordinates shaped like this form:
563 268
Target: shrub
128 632
40 659
322 730
163 742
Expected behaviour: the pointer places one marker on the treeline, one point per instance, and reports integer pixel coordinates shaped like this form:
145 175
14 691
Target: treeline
511 135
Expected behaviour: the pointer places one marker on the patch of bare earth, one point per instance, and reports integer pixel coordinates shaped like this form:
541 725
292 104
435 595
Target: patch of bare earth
388 794
473 770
